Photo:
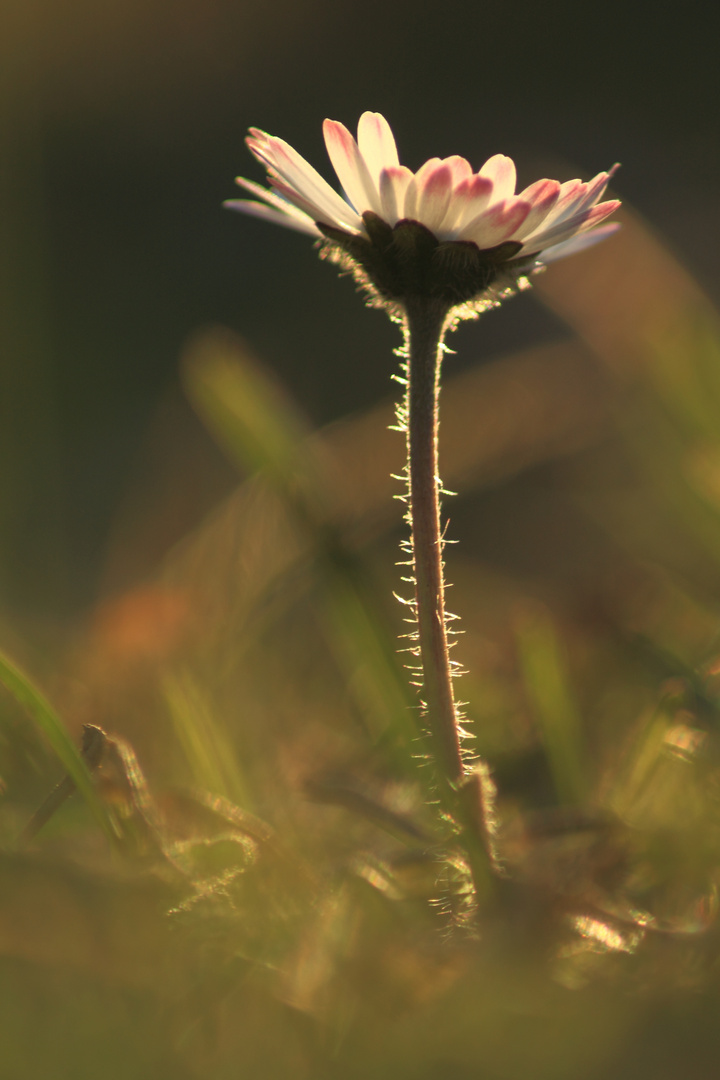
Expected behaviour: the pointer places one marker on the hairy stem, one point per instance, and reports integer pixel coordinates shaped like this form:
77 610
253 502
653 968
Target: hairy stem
426 322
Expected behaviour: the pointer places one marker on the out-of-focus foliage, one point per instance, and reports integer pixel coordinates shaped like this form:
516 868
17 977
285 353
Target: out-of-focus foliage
279 896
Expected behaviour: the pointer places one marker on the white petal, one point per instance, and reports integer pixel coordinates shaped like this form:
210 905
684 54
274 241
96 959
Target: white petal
300 222
376 144
595 189
277 201
434 191
414 188
579 201
579 243
350 167
472 196
542 197
393 185
460 167
303 178
501 170
497 224
289 196
575 197
570 195
460 171
549 219
560 231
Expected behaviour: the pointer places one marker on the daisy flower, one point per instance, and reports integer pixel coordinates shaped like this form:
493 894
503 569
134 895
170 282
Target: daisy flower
432 247
442 231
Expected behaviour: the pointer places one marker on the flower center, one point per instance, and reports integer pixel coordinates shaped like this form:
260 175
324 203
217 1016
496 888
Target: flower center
408 260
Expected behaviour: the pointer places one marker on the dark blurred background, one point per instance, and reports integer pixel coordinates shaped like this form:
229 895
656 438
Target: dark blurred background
121 129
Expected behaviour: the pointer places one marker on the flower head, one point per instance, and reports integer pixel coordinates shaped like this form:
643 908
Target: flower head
442 231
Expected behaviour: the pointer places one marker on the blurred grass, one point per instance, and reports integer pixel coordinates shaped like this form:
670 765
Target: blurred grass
262 431
42 713
287 900
547 686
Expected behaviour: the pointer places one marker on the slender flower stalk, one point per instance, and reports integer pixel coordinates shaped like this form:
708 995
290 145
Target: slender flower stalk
431 247
425 329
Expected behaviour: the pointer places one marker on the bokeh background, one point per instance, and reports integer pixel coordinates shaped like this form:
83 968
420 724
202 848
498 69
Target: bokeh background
198 541
122 129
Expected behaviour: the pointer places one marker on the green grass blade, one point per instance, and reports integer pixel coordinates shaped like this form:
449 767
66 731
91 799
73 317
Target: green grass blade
41 711
207 748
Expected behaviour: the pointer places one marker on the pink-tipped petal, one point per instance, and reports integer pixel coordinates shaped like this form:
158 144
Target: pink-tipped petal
595 189
560 231
497 224
569 196
414 188
350 167
472 196
461 168
301 177
542 197
376 144
434 191
540 190
501 170
576 197
461 174
549 219
393 185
